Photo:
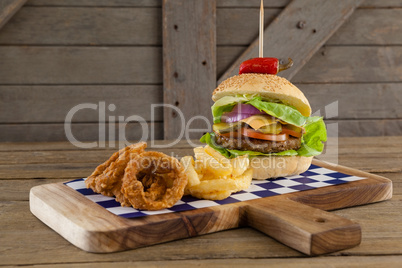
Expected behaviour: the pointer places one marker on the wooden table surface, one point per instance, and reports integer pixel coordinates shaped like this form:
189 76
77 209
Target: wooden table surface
24 240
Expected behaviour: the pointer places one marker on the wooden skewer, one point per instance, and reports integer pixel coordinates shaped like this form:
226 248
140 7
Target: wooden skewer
261 37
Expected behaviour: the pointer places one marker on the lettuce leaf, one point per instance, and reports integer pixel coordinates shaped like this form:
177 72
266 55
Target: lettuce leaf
312 142
284 112
226 104
209 138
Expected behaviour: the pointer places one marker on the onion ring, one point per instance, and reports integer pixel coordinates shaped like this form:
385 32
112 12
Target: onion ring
106 179
153 181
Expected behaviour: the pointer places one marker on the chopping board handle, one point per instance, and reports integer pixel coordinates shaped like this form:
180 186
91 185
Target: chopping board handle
304 228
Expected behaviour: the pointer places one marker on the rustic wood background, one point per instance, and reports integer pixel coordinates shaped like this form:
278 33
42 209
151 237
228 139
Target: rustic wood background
56 54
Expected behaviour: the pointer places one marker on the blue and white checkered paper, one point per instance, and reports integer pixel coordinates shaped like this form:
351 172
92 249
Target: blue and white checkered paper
314 177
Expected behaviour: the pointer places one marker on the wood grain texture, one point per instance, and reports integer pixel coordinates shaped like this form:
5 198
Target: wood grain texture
355 101
34 65
84 26
317 231
381 4
75 156
101 26
370 26
18 190
189 60
252 3
311 231
95 3
150 3
60 170
82 132
237 26
62 146
283 3
8 8
220 3
143 26
37 104
320 22
80 65
381 236
27 241
362 127
337 64
355 261
353 64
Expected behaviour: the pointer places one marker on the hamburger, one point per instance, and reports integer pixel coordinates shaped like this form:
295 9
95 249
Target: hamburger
267 118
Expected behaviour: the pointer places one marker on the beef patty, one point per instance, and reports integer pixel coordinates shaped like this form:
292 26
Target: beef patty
263 146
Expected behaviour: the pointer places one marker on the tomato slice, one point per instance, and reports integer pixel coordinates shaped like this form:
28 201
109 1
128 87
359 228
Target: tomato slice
255 135
261 136
233 134
291 132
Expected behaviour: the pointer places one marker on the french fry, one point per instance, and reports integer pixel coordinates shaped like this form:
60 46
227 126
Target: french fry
243 181
240 164
198 150
208 175
219 189
211 164
215 177
215 154
188 163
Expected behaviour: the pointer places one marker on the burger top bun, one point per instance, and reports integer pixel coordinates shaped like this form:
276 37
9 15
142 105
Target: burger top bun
268 86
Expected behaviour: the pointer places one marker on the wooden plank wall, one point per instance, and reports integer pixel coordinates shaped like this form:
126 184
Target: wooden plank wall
56 54
59 54
298 32
189 66
8 8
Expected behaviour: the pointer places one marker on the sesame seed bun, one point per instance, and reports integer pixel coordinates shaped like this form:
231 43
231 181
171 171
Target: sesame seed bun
268 86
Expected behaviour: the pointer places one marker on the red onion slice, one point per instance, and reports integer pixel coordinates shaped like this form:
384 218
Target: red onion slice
240 112
242 108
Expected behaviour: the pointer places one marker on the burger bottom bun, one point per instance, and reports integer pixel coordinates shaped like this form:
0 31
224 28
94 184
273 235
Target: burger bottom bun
278 166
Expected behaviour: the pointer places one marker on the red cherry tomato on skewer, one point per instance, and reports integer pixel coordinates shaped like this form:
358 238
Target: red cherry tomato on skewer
264 66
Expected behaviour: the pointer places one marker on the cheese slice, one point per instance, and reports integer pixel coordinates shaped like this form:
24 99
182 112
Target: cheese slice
259 121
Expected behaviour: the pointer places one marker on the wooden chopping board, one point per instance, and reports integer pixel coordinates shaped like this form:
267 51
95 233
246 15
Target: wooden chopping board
299 219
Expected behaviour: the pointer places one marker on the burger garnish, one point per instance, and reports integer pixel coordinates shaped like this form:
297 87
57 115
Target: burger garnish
248 116
264 115
264 66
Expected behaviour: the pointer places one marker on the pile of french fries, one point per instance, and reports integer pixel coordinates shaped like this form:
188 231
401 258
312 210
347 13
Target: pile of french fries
214 177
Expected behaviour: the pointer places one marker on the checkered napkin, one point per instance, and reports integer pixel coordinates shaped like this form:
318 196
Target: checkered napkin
314 177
